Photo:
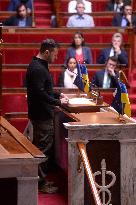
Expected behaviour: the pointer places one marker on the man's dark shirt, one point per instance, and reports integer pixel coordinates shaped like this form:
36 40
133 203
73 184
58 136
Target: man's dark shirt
40 96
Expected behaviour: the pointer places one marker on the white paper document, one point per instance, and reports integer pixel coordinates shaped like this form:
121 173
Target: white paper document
80 101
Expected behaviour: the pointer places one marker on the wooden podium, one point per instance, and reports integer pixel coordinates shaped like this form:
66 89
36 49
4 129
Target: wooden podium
19 160
105 137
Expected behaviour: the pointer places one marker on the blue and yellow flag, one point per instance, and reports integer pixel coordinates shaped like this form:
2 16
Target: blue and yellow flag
82 80
121 101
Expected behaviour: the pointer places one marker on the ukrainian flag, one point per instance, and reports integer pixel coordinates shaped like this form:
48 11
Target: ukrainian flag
125 100
82 79
121 101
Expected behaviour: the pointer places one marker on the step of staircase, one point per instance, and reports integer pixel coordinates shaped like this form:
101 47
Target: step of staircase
42 22
43 14
42 6
43 26
40 1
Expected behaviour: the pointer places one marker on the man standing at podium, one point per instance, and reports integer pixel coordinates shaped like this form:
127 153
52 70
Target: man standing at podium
41 102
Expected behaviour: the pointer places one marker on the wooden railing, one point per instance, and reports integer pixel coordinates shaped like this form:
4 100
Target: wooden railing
6 14
58 31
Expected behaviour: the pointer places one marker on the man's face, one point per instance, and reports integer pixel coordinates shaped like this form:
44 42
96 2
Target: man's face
22 12
52 55
116 42
111 65
128 10
80 9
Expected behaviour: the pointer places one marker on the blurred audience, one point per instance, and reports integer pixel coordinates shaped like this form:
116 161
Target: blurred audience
78 50
67 77
21 19
115 5
80 19
115 50
108 77
13 4
126 18
72 6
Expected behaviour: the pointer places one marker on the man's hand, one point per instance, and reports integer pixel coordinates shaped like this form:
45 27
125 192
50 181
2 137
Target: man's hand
129 18
111 72
117 49
62 95
64 100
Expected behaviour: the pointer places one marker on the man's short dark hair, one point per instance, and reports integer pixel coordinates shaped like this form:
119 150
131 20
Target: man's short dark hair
48 44
113 58
126 3
19 6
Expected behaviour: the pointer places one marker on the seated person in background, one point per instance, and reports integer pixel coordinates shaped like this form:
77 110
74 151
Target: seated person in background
108 77
67 77
21 18
115 5
115 50
72 6
126 18
78 50
80 19
13 4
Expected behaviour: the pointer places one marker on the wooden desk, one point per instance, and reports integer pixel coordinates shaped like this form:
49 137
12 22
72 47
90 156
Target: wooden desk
103 126
105 138
19 161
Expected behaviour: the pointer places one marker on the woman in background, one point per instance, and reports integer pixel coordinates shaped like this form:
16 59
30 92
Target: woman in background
78 50
67 77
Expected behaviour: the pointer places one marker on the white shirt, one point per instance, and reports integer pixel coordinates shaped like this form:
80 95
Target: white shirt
106 80
69 78
117 7
80 21
72 6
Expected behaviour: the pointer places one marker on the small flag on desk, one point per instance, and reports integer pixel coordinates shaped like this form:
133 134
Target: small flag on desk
82 80
121 101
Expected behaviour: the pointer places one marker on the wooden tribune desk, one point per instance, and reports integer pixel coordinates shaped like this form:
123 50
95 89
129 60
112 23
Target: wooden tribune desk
19 161
105 137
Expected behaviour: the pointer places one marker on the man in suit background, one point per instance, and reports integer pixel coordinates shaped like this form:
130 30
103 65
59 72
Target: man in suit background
108 77
72 6
80 19
21 19
13 4
115 5
115 50
126 18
